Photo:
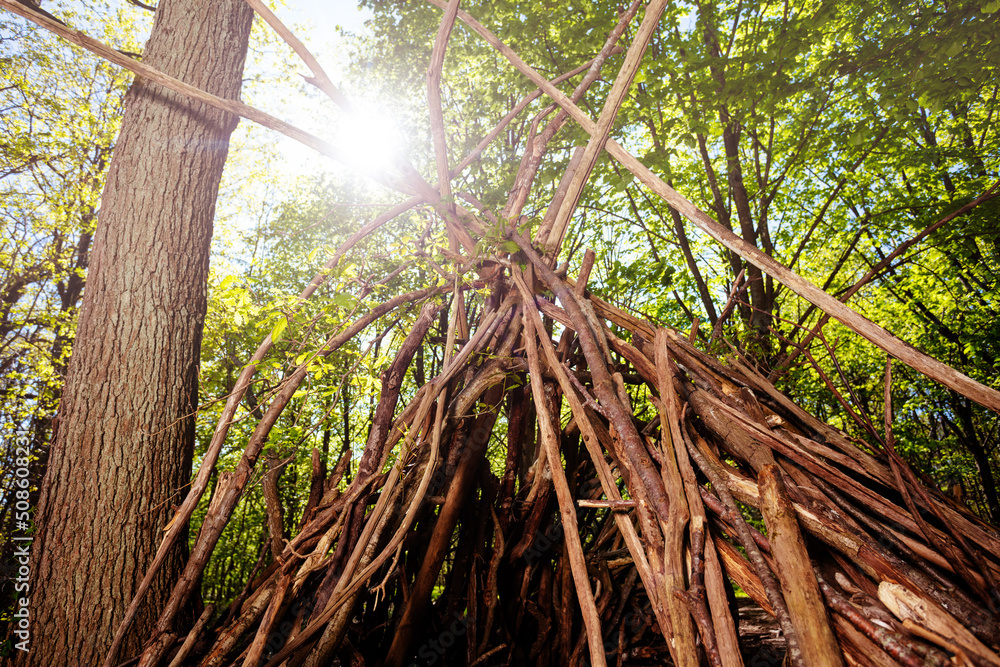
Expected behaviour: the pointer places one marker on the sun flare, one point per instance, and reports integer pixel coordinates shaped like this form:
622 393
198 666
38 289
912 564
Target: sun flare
369 138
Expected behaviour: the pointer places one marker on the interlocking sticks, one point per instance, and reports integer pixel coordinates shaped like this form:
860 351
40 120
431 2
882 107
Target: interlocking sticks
609 539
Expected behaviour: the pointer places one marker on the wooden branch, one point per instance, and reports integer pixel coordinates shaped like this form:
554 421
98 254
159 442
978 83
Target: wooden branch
320 80
591 440
990 193
723 644
349 582
798 583
462 484
646 482
232 106
434 97
192 637
694 597
891 642
505 121
683 648
738 288
257 646
567 511
272 505
908 606
538 144
614 505
767 579
319 76
598 138
901 468
228 493
544 232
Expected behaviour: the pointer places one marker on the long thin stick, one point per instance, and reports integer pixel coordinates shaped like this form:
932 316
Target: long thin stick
785 363
320 79
598 138
434 96
567 512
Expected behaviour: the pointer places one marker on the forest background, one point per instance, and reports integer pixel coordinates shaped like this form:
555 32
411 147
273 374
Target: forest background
827 134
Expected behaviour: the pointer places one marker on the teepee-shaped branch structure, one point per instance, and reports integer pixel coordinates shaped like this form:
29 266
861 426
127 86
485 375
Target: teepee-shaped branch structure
610 539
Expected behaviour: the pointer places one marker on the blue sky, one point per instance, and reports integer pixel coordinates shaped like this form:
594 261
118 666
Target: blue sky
325 16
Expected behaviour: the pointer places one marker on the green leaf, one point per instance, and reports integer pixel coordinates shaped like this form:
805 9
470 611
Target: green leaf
344 300
279 330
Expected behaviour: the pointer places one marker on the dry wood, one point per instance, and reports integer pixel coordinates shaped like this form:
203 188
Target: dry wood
795 570
256 650
567 511
591 439
909 606
893 643
767 578
721 626
685 651
192 636
537 145
434 97
614 101
272 505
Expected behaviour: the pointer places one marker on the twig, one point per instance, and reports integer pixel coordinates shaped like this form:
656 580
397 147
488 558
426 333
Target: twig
734 294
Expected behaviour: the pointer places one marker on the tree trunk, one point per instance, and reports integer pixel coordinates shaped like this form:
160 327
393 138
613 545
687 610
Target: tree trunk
125 429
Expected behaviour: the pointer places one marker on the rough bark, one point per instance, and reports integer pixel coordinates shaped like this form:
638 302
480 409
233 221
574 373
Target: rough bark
125 432
795 571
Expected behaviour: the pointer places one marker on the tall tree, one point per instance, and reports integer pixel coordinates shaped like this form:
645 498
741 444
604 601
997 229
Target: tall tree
51 175
125 428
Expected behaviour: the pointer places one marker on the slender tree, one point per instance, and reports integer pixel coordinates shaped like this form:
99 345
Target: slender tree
125 429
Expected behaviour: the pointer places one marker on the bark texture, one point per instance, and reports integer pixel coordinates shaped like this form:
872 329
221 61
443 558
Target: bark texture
125 431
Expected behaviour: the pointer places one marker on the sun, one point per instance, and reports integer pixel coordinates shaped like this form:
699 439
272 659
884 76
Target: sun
369 138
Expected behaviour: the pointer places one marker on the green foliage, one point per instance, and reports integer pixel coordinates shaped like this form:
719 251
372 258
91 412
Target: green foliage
848 127
61 112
